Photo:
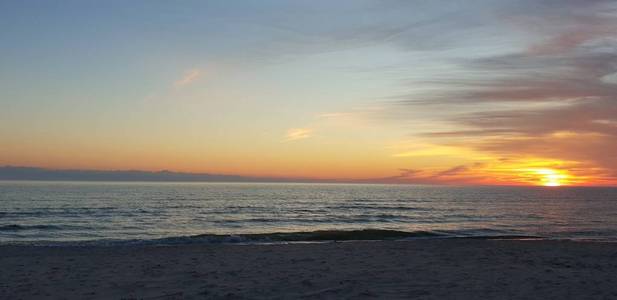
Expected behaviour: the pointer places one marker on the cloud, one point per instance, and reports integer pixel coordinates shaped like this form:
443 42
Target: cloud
456 175
514 80
188 78
453 171
294 134
332 115
553 98
420 150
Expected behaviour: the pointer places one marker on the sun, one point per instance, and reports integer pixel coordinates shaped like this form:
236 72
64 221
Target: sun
550 177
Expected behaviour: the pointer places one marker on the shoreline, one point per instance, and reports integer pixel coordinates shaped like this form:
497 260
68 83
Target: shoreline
450 268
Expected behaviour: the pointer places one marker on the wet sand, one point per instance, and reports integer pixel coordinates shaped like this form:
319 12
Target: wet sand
420 269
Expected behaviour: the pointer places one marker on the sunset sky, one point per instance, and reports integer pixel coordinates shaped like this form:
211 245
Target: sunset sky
452 92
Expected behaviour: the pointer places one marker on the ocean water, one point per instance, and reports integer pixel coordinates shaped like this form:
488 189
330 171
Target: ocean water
106 212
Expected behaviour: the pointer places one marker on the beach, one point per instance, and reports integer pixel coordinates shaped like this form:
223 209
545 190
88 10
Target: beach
422 269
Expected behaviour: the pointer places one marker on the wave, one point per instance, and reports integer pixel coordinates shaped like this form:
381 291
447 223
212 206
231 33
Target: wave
335 235
325 235
286 237
16 227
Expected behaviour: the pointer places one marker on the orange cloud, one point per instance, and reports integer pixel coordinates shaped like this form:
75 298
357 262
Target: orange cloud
294 134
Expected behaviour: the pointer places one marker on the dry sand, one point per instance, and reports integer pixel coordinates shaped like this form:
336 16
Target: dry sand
422 269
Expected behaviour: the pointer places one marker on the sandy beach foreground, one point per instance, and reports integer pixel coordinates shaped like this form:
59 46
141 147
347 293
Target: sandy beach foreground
423 269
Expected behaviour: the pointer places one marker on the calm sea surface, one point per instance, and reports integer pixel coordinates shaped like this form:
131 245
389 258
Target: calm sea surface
94 211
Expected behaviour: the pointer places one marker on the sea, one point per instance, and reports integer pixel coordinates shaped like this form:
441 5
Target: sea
117 213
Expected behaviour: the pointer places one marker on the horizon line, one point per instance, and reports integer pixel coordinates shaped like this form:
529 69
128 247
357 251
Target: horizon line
33 173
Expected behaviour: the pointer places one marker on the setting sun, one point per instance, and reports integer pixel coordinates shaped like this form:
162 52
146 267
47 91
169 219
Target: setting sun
549 177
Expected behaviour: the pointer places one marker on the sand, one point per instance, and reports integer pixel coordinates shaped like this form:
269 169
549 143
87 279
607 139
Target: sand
422 269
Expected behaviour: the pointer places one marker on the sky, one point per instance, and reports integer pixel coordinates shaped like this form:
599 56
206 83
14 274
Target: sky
435 92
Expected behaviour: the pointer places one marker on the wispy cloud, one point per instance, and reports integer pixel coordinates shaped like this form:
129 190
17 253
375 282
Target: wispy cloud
454 175
188 78
332 115
552 98
295 134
